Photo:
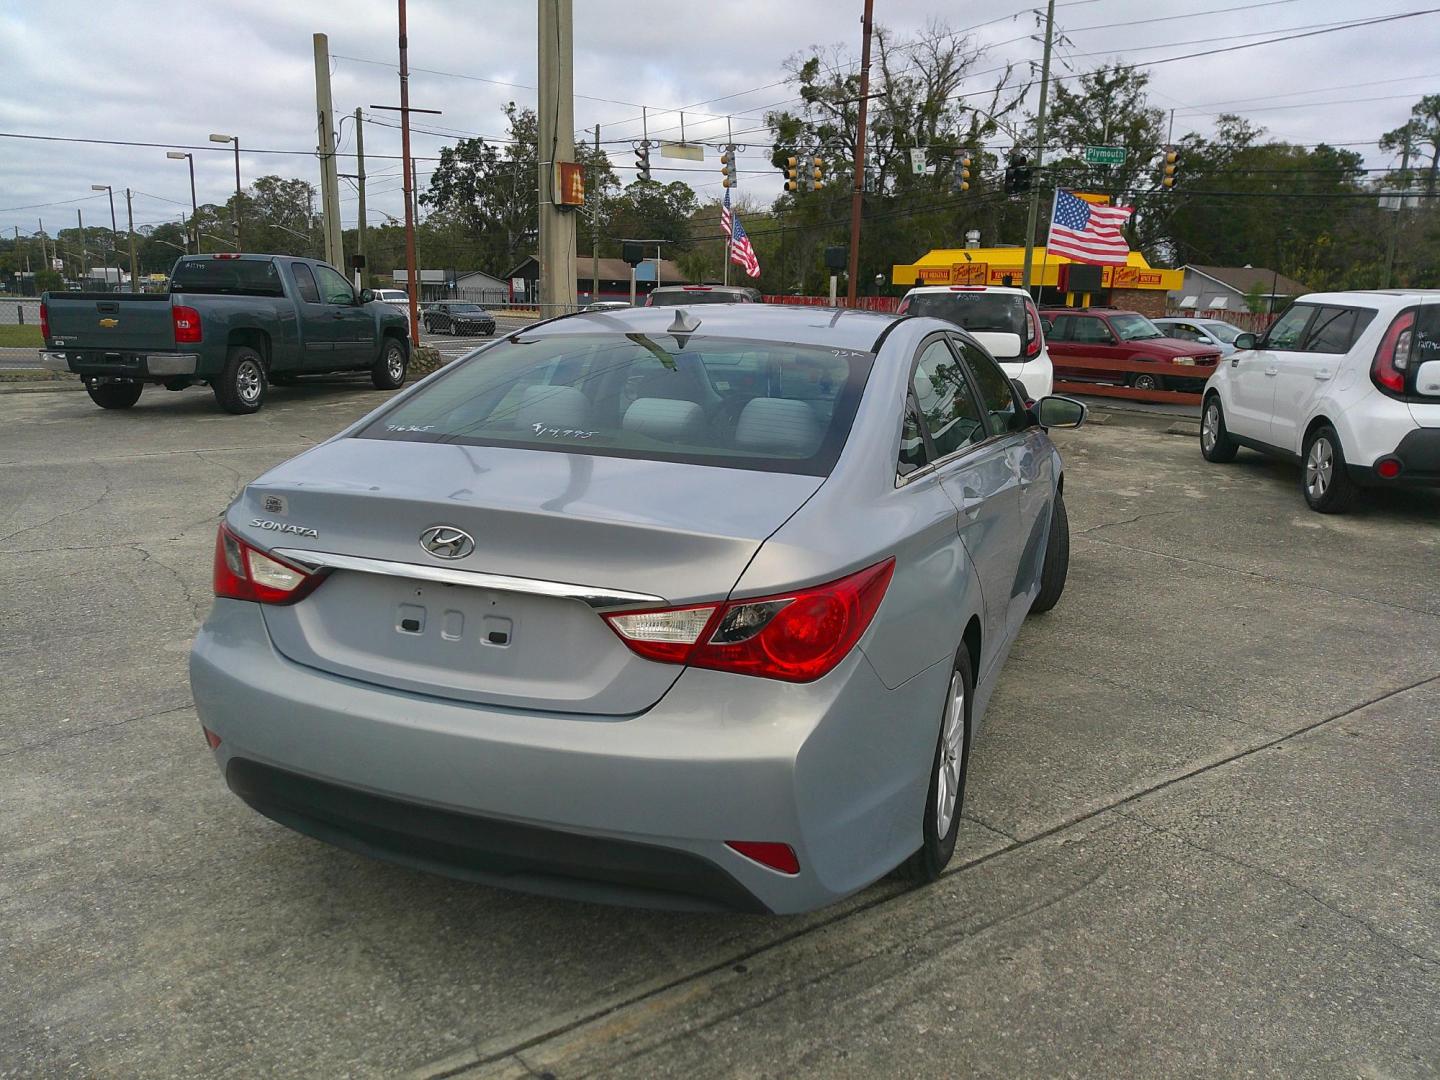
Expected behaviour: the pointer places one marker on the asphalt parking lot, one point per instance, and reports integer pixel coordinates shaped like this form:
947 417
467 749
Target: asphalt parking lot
1200 836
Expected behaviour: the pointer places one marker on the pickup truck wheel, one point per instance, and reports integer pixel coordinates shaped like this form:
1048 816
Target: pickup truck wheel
389 371
115 395
241 387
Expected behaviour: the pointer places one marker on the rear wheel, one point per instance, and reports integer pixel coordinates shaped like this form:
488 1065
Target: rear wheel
389 371
1057 559
1215 442
1324 480
241 387
947 780
1144 381
115 395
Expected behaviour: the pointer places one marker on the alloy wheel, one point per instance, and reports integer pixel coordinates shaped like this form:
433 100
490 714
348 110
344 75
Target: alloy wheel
248 381
1210 428
395 362
1319 467
952 756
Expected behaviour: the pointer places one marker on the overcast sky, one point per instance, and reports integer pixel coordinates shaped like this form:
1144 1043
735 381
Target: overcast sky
172 73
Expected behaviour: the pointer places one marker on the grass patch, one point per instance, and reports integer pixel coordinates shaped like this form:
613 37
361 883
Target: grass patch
21 337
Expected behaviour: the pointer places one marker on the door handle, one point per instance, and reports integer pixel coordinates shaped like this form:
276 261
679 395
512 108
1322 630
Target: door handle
1272 371
969 503
1322 374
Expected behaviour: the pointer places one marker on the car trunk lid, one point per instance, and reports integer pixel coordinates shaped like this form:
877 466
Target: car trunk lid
113 322
556 525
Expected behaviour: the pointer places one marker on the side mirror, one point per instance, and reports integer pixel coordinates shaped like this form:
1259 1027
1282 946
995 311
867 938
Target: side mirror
1056 411
1245 341
366 295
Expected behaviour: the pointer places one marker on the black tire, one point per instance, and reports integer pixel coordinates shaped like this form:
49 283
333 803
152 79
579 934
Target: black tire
454 329
1057 560
935 850
115 395
1215 442
389 371
1145 381
1326 487
242 386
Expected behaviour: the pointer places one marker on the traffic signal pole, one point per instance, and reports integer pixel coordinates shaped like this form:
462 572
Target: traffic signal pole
1033 217
857 195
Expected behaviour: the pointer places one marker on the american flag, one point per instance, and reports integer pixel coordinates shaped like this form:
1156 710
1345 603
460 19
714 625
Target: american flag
725 213
1088 233
741 251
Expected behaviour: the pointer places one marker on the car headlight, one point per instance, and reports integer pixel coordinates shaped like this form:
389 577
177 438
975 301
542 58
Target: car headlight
1188 361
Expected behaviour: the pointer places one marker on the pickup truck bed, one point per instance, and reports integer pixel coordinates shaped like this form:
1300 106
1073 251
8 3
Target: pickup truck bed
233 322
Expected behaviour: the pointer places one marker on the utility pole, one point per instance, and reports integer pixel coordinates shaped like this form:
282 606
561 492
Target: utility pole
857 195
236 140
84 261
556 144
415 209
411 274
725 257
134 266
1395 226
360 187
44 251
329 178
1034 214
594 197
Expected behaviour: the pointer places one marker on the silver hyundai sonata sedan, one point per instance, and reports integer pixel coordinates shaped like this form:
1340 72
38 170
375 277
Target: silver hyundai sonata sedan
686 607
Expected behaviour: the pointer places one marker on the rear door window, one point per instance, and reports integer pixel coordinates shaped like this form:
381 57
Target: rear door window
305 283
1335 329
760 405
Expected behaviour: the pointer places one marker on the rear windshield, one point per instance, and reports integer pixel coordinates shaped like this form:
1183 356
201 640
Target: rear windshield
696 296
241 277
743 404
1002 313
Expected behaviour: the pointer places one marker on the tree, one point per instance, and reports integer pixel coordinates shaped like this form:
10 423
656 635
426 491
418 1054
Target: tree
649 210
1418 135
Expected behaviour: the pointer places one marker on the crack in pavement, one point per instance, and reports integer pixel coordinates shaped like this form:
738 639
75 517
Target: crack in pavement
1257 575
64 735
450 1066
1127 521
109 488
1379 936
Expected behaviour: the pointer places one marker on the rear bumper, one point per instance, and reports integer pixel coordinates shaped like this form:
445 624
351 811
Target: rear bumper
579 806
120 364
1037 376
1419 456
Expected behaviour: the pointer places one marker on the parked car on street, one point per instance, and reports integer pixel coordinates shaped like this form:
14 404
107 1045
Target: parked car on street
1003 319
456 317
398 297
607 305
696 608
1347 384
1214 332
1108 333
234 322
671 295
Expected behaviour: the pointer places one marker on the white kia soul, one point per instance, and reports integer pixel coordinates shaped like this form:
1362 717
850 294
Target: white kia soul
1346 383
1002 319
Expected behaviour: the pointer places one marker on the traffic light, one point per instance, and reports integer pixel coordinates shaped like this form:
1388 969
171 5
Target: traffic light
642 161
817 173
1168 164
960 181
727 165
1017 174
792 173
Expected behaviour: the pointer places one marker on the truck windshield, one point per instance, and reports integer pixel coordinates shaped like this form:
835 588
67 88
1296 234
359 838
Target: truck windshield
1134 327
234 277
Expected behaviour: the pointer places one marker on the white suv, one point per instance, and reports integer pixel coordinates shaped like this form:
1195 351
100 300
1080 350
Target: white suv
1004 320
1346 383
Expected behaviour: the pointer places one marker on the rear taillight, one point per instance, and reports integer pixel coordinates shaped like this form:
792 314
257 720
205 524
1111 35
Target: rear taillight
187 324
243 572
1392 358
44 320
796 636
1036 339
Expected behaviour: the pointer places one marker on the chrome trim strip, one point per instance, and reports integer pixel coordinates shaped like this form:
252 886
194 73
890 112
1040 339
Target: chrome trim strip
599 599
54 361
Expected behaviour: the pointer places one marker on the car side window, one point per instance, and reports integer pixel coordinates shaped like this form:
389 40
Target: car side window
1058 329
1332 331
913 451
1181 331
333 287
305 282
1289 330
946 400
996 392
1088 330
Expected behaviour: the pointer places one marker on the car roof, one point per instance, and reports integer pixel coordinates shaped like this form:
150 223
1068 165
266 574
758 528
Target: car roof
841 328
704 288
920 290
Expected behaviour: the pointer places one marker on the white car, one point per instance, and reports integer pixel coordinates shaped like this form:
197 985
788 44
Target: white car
1002 319
1346 383
1202 331
398 297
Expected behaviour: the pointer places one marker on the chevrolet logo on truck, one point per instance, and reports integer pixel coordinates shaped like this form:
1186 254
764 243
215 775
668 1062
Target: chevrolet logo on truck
109 323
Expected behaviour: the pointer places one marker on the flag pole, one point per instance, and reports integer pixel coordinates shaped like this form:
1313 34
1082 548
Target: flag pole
1045 261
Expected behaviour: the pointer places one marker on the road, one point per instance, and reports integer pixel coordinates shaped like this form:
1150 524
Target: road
1200 837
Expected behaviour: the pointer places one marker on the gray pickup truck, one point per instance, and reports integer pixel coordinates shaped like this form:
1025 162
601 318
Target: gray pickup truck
234 322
